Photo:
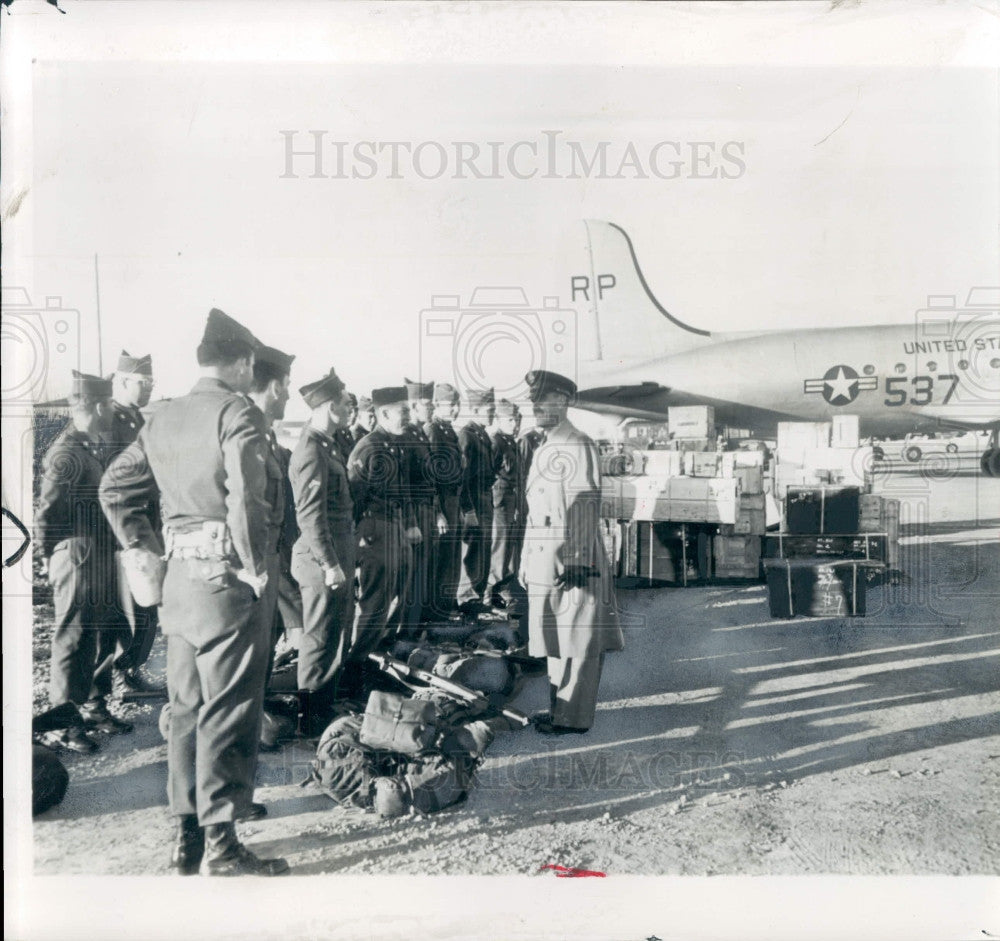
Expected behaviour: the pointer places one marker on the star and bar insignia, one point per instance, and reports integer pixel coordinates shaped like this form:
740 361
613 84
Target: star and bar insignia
840 385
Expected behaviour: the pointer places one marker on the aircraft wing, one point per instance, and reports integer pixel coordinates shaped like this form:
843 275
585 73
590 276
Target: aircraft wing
647 400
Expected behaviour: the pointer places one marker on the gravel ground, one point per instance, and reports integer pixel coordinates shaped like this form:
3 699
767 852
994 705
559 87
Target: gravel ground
725 743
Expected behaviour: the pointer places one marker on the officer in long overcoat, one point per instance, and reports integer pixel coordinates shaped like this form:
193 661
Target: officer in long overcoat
572 617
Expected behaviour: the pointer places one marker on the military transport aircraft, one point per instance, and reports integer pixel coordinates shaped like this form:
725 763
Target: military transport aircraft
941 371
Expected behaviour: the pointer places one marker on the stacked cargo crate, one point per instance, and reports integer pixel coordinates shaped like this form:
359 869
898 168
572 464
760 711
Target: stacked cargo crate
692 511
835 540
817 453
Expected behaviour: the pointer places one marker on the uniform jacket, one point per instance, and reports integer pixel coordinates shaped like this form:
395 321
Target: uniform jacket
420 464
126 420
378 476
323 505
563 528
208 455
68 505
289 529
446 458
345 443
478 475
506 467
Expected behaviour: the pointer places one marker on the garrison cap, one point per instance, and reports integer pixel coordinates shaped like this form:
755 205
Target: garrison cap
322 390
273 357
364 403
541 382
221 328
507 409
478 397
85 384
137 365
445 392
389 395
419 390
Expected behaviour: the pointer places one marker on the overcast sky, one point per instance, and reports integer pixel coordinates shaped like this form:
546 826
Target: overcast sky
785 195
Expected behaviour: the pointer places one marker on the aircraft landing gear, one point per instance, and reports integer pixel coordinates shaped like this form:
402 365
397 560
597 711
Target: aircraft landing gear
990 461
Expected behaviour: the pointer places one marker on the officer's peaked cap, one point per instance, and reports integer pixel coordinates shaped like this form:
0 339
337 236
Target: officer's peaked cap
541 382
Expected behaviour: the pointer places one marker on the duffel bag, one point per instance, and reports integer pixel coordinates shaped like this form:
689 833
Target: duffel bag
399 724
480 673
343 768
49 779
437 781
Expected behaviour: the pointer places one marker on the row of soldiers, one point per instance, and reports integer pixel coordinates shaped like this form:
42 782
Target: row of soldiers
256 538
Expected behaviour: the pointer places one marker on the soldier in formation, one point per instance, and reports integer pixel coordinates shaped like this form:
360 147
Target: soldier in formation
324 555
132 388
78 558
221 535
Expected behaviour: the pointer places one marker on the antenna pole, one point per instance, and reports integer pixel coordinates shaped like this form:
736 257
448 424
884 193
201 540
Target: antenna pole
100 338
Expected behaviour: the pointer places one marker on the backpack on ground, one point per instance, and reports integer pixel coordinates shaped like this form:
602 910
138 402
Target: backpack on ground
49 779
344 768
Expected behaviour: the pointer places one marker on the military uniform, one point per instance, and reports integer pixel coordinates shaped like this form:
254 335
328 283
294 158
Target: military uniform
571 626
288 615
208 455
357 431
137 642
324 510
446 558
79 545
476 495
345 443
423 495
383 511
505 505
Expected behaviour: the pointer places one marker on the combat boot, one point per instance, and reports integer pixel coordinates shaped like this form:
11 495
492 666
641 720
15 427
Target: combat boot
189 846
225 855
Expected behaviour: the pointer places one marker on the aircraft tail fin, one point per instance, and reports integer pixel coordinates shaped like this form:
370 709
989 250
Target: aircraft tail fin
629 322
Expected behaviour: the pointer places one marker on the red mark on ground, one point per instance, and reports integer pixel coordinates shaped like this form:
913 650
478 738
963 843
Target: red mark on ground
571 872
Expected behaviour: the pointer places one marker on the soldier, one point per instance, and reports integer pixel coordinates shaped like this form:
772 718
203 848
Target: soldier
270 393
133 386
323 558
78 556
365 419
446 459
506 498
476 500
423 493
354 426
343 433
384 520
572 618
207 453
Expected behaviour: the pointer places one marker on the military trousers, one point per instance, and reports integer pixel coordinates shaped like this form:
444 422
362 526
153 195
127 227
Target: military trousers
88 621
139 632
218 643
574 684
502 571
383 558
446 561
327 616
418 589
476 544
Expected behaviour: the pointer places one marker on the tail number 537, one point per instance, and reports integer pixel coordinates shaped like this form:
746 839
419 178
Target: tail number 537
917 390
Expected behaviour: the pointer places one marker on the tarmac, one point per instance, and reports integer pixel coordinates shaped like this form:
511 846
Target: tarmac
726 742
